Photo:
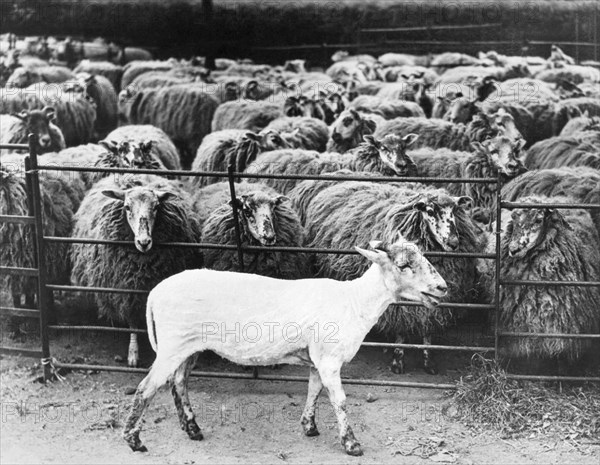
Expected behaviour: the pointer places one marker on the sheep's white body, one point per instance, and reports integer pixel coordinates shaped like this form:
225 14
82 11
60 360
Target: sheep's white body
263 321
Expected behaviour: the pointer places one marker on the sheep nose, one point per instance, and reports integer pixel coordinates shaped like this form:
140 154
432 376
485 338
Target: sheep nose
44 141
442 288
143 245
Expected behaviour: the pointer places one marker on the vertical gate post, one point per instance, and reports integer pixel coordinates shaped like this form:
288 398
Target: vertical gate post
33 180
238 235
497 264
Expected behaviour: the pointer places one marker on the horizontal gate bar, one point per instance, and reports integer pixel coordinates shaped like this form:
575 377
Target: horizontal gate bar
428 347
593 379
585 206
108 329
25 312
17 219
302 177
432 28
302 379
523 282
14 146
60 287
561 335
19 270
253 248
19 351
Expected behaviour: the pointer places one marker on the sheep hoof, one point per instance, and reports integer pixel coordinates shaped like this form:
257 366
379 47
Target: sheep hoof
431 370
193 431
398 367
311 431
135 444
353 448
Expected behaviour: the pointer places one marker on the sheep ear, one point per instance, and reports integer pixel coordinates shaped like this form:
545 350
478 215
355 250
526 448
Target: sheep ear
280 199
370 125
164 195
464 201
114 194
109 145
371 141
238 203
376 256
420 205
146 145
50 113
22 115
376 245
404 76
410 139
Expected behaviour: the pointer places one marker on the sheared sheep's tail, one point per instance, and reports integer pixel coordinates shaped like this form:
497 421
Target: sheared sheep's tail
150 325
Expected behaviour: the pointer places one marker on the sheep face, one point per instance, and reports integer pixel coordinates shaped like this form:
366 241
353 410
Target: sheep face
392 151
438 214
258 216
270 139
38 122
350 123
132 154
504 154
504 124
141 206
461 109
407 274
525 230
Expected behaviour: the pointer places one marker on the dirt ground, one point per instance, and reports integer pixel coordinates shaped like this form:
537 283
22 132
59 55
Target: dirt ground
80 419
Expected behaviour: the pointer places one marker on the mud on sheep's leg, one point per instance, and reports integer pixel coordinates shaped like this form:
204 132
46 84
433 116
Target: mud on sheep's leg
315 386
398 356
159 375
329 370
133 356
428 362
182 400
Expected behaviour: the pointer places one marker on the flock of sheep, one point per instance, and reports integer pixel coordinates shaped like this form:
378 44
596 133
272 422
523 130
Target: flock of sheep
534 121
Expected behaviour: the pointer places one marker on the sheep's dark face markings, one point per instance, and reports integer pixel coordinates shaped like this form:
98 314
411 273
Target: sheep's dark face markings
524 231
38 122
258 212
272 140
392 151
461 110
504 154
346 126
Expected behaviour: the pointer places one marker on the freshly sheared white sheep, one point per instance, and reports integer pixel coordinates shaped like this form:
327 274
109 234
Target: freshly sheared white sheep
191 312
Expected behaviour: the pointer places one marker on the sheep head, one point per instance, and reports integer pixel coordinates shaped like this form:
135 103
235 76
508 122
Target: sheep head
392 152
504 154
141 206
528 228
406 273
350 124
257 214
38 122
461 109
270 139
502 123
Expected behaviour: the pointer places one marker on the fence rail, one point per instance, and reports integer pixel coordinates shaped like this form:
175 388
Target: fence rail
44 288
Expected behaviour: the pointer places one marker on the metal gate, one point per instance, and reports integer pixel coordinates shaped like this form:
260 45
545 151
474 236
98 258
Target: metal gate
32 173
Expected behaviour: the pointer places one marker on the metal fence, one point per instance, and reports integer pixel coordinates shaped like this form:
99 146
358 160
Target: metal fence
44 288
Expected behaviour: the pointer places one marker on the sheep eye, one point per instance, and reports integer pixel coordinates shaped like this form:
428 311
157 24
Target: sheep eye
127 208
403 267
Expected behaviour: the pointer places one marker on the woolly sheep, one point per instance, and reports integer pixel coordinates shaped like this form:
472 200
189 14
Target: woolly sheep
239 147
389 109
75 115
399 271
574 73
579 183
301 132
184 112
448 60
581 124
572 108
143 209
349 130
579 149
102 93
162 148
25 77
265 218
431 218
15 129
242 114
554 245
137 68
107 69
383 156
61 197
438 133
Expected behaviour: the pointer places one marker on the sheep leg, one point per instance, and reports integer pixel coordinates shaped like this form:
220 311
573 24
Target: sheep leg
160 373
428 362
134 351
182 400
398 356
315 386
330 376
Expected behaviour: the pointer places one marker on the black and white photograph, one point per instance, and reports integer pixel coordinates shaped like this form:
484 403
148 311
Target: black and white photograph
300 232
